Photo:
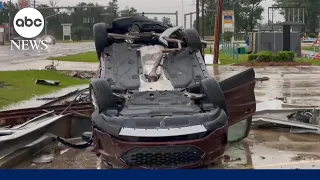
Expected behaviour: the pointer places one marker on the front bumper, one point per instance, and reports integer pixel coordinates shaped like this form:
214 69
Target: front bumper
160 155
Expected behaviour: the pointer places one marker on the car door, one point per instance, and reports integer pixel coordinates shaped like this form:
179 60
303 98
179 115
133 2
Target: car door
241 102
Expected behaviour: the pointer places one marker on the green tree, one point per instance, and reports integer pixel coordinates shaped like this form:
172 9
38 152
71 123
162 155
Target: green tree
128 11
247 14
166 20
312 12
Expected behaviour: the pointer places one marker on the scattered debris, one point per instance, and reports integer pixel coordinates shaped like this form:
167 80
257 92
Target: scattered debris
227 158
82 74
42 159
46 99
73 74
47 82
52 66
304 157
262 157
262 79
295 130
283 99
77 96
300 120
1 84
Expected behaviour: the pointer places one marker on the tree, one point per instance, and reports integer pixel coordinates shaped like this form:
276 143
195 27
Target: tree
166 20
247 14
312 12
251 11
128 11
53 3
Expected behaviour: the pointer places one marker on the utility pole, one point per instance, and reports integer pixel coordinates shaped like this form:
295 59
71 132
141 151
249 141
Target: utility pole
197 16
9 20
217 28
202 19
34 3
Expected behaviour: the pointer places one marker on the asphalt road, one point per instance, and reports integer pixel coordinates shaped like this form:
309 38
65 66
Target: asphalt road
14 57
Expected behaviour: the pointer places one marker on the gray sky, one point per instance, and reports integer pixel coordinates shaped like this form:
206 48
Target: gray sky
155 6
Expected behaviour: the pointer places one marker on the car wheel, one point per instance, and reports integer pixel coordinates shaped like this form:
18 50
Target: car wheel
101 95
100 37
214 93
192 39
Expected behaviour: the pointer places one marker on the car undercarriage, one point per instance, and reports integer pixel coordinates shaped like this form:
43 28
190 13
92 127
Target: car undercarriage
155 104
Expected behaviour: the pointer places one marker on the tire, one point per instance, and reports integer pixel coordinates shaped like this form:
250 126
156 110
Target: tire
214 93
192 39
101 95
100 37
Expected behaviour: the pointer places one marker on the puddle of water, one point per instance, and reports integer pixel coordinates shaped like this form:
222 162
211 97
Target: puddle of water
36 103
300 85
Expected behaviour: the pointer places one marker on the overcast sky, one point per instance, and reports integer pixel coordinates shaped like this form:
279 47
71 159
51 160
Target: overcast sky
154 6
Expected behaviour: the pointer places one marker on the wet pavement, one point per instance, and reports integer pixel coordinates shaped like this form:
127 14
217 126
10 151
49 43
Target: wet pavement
263 149
299 85
20 60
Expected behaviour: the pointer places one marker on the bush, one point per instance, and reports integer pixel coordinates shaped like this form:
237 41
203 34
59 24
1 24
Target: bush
78 33
286 56
312 35
252 57
267 56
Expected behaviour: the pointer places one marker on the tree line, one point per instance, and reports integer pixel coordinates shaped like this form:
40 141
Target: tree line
82 19
248 13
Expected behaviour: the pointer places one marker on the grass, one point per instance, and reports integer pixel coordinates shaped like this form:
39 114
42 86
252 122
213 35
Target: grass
20 85
310 48
223 57
313 61
90 56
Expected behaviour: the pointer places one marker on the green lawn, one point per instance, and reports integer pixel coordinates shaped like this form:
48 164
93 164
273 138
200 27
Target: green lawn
81 57
310 48
92 57
20 85
313 61
223 57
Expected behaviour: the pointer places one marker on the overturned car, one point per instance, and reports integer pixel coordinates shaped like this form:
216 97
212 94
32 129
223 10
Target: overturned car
155 104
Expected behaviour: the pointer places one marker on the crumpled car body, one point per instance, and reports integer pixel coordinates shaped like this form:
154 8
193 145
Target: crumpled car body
179 118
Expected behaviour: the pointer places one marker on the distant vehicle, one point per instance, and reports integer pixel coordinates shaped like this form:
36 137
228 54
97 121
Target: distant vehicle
49 39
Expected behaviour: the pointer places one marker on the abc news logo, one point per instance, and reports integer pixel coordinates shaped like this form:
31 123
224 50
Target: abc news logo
26 22
29 23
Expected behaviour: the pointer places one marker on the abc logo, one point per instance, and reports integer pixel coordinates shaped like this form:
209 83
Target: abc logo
28 22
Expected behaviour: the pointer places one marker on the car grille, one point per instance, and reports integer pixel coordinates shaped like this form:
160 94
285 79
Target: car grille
162 156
